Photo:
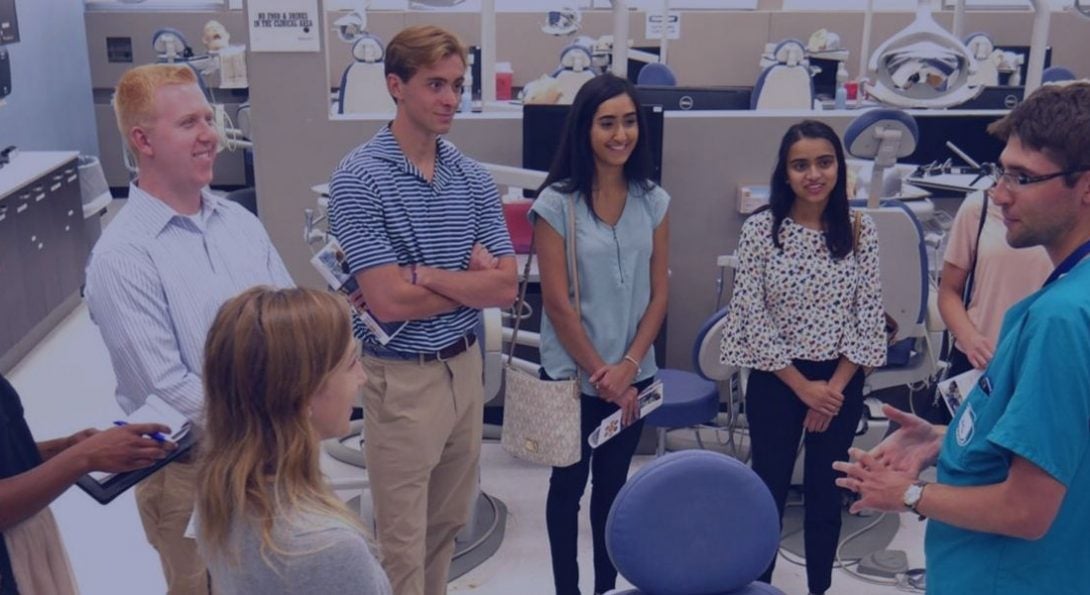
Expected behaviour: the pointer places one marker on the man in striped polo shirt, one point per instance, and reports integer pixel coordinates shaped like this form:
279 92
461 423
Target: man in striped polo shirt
158 275
423 230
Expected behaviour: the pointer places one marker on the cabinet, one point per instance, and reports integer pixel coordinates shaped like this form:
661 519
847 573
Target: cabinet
42 246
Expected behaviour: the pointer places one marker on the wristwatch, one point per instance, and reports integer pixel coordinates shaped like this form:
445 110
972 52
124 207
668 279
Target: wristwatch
913 494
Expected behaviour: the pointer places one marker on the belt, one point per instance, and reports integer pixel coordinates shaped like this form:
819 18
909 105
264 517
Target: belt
450 351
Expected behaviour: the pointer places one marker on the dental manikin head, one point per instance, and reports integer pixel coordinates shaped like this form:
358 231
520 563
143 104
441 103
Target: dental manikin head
215 36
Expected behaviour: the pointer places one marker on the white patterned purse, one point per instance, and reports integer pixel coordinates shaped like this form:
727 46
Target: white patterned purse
541 419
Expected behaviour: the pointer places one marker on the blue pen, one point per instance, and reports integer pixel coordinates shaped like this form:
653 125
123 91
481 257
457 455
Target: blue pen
156 436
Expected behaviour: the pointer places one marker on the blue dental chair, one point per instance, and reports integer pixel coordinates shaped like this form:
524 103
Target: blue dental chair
693 523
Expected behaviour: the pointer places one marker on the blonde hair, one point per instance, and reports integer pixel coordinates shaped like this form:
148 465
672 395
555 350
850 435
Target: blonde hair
134 98
268 352
420 46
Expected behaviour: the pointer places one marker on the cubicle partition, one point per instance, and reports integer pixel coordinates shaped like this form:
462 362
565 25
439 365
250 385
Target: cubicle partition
706 155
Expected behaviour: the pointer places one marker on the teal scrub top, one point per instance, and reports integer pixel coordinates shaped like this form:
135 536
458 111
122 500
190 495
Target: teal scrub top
1038 408
614 276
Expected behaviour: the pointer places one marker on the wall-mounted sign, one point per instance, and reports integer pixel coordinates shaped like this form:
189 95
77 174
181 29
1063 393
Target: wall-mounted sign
283 25
655 23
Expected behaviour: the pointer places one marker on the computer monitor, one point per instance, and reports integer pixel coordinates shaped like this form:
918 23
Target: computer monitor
968 132
9 22
542 126
695 98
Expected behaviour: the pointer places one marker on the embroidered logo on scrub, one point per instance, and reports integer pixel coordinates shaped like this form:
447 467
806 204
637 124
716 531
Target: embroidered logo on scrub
966 425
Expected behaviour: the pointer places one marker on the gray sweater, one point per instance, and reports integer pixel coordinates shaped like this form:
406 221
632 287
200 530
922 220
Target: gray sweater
329 557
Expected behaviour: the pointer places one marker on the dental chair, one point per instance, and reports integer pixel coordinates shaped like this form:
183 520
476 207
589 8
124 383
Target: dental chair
574 71
693 523
363 83
884 135
787 84
981 47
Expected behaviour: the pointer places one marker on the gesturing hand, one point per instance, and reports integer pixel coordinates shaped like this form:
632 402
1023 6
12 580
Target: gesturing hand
819 396
912 448
880 487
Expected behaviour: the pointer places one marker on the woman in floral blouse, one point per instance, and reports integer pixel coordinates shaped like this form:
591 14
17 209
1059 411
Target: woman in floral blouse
806 317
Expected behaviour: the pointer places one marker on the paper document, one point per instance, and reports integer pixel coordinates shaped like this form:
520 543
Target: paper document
332 264
649 400
954 390
154 411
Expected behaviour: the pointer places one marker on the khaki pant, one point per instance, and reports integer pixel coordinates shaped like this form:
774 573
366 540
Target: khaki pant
422 429
165 501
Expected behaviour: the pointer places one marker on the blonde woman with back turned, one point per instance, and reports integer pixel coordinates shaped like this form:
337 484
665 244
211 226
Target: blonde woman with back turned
281 372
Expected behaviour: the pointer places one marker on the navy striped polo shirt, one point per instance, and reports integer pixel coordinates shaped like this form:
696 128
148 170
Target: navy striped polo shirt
383 211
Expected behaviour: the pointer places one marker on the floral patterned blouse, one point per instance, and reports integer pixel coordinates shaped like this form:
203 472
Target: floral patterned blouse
800 302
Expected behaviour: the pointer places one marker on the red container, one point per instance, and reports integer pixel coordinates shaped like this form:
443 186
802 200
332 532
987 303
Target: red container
518 225
503 85
852 89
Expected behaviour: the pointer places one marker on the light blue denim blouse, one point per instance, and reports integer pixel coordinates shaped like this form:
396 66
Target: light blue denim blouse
614 276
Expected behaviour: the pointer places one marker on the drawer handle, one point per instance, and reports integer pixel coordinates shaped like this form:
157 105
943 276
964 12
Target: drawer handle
72 178
67 228
71 212
58 177
55 187
21 208
39 197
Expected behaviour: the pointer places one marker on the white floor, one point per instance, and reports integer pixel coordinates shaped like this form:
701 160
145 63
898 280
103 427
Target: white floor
66 384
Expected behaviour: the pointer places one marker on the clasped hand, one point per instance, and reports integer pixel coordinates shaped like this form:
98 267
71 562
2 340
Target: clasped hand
614 384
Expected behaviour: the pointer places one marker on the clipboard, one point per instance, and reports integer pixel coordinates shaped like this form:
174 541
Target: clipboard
117 484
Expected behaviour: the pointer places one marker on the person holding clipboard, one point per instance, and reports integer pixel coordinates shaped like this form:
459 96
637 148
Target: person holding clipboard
33 474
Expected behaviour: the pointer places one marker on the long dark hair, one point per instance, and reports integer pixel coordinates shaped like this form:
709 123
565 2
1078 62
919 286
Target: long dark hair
573 166
837 219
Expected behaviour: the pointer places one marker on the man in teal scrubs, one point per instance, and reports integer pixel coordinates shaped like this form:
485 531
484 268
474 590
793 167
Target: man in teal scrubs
1010 512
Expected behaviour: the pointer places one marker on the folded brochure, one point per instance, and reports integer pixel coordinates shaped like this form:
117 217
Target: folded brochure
954 390
332 264
649 400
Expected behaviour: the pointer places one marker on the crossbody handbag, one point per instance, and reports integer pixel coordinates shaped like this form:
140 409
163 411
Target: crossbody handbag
541 419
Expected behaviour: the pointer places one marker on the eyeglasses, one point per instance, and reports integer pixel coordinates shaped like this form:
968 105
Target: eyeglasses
1012 181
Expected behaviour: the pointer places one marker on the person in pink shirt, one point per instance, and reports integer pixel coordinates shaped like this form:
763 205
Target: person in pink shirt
996 275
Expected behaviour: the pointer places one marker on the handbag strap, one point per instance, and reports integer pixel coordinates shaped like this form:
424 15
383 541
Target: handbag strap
967 294
573 276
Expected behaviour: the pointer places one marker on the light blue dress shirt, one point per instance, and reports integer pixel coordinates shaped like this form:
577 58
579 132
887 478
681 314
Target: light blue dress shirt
155 281
614 276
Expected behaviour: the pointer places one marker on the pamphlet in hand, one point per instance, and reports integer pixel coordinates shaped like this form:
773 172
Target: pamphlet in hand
154 411
332 264
648 400
954 390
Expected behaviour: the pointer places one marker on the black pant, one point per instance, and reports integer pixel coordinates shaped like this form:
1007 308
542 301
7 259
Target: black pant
775 417
609 463
959 362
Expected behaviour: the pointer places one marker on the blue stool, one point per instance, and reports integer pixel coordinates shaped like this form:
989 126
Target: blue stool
693 523
692 398
687 399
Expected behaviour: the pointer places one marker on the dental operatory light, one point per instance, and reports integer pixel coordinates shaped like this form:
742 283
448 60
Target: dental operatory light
922 66
1082 7
565 21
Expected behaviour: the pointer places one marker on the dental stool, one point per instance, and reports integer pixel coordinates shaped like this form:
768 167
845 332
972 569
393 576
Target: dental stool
655 73
693 523
691 398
